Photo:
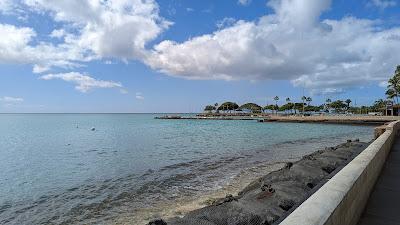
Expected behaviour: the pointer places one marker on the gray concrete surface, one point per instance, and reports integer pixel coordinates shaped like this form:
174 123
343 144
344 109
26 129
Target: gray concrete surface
342 199
383 207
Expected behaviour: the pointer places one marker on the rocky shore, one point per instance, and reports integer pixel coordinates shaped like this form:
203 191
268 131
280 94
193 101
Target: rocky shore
269 199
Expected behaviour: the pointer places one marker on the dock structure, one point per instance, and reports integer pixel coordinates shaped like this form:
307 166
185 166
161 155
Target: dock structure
334 119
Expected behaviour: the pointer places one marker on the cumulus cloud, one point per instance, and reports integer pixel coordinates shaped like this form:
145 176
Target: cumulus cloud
225 22
383 4
107 28
17 48
83 82
91 29
291 44
139 96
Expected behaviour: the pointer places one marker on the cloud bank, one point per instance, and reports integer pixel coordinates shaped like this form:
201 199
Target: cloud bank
292 43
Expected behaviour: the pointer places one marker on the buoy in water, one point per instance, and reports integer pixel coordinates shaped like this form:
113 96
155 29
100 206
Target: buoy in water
93 129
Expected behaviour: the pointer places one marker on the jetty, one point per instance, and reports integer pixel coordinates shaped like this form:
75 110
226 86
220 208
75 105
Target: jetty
333 119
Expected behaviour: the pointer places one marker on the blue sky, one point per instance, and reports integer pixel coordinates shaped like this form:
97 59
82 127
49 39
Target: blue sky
179 55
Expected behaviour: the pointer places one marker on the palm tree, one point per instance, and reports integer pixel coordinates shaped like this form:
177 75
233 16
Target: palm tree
216 107
309 100
394 85
276 98
303 99
288 101
348 101
328 102
391 94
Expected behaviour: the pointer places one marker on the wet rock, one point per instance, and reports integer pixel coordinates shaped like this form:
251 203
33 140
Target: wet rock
329 169
289 165
157 222
270 198
286 204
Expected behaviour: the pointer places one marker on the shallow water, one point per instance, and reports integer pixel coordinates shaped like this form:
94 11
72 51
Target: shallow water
54 169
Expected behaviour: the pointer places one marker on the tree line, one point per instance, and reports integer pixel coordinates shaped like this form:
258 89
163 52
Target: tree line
289 107
339 106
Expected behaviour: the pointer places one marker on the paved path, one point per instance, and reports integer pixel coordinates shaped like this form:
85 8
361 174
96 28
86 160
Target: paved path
383 207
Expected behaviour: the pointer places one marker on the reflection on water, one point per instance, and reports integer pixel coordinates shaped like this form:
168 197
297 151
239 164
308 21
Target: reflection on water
54 169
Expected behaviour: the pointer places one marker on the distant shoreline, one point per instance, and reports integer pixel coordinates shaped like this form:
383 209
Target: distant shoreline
331 119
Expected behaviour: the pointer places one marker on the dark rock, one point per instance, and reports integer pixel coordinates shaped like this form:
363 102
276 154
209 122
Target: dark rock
329 169
157 222
286 204
289 165
270 198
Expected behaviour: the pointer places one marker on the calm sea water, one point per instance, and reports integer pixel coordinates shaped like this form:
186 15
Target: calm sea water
54 169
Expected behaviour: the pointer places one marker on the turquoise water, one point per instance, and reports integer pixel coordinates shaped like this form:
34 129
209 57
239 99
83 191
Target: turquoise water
55 169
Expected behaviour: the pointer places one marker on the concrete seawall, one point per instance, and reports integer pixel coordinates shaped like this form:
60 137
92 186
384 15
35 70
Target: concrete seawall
342 199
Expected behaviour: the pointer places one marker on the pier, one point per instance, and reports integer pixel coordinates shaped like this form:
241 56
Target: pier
333 119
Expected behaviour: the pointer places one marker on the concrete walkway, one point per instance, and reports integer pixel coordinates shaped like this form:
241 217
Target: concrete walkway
383 207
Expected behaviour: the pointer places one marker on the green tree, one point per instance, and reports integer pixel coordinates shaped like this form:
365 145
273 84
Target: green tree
338 105
216 107
270 107
393 88
288 103
348 101
304 98
309 100
253 107
209 108
328 102
276 99
228 106
378 105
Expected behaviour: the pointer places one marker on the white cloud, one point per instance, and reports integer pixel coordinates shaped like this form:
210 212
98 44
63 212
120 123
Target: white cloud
383 4
244 2
91 29
139 96
83 82
189 9
291 44
383 84
11 100
225 22
59 33
17 48
6 6
115 28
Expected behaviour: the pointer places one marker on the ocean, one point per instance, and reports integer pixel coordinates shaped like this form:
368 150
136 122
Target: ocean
56 169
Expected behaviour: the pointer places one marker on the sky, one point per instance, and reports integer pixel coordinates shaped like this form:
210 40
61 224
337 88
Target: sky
136 56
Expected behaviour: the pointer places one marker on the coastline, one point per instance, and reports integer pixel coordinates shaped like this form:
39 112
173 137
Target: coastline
275 189
322 119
